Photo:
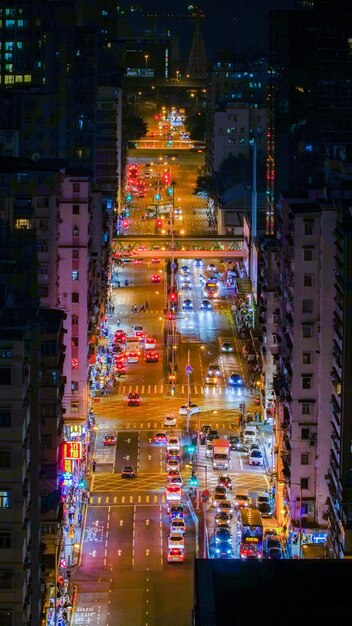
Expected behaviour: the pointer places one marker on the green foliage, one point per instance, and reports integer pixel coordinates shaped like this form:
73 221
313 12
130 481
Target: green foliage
136 127
195 124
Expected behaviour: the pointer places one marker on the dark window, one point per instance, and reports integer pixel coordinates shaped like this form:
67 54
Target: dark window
307 306
5 459
305 458
5 375
75 231
75 254
307 280
48 348
74 342
307 358
74 385
75 296
5 539
308 227
76 187
75 209
306 408
307 382
305 434
74 320
5 580
308 254
304 483
46 441
307 331
5 417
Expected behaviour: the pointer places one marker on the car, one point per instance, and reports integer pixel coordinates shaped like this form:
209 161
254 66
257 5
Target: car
218 498
211 379
225 506
255 457
149 343
120 368
116 349
211 267
155 260
172 464
222 519
234 380
120 336
250 434
133 399
226 346
170 420
176 480
132 357
176 510
173 453
241 498
186 287
220 489
191 408
205 305
186 278
128 472
187 305
205 429
172 474
178 523
236 443
156 278
152 357
175 555
176 540
173 442
212 434
223 552
271 541
138 261
202 278
275 553
198 263
184 269
223 535
225 481
173 493
110 440
178 210
160 438
270 532
265 504
138 331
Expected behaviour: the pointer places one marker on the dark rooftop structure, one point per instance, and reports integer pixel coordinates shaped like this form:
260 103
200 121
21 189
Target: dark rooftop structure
253 593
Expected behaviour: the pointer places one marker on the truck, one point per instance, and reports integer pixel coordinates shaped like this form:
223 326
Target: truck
221 454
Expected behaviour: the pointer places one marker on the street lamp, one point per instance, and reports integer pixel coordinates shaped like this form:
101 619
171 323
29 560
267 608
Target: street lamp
146 56
177 74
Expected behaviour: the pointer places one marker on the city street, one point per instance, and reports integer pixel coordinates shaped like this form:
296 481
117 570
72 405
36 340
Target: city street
124 567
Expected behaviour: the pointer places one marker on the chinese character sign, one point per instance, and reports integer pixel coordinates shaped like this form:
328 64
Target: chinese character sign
72 450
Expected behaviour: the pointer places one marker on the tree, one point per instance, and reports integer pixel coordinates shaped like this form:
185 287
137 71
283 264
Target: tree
205 184
233 170
136 127
195 124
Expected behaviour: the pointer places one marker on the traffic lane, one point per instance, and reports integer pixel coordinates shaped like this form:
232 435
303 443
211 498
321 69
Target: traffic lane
127 450
104 455
94 547
120 544
151 454
147 538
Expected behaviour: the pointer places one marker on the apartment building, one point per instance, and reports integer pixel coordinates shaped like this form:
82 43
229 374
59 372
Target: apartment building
303 324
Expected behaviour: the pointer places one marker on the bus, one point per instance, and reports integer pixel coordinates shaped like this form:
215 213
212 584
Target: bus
210 288
249 534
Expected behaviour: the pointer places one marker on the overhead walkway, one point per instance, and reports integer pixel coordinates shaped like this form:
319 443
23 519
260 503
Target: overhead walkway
149 246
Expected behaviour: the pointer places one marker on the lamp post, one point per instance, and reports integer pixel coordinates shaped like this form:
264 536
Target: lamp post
177 74
146 56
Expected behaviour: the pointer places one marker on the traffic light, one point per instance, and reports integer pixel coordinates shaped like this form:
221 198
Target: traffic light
159 223
168 144
170 191
170 316
129 197
191 449
173 297
157 197
172 378
194 480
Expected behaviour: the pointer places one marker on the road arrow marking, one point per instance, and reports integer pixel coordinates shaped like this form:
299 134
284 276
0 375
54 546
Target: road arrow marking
147 522
147 552
121 522
149 457
119 552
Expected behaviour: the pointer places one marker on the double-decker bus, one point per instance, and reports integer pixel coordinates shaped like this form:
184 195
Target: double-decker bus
249 534
210 288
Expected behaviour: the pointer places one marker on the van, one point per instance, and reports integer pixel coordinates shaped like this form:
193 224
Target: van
209 450
250 434
164 209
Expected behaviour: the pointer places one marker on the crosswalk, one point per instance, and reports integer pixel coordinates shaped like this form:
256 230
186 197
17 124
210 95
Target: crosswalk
195 390
127 500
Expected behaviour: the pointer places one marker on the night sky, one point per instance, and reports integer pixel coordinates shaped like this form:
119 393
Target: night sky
240 25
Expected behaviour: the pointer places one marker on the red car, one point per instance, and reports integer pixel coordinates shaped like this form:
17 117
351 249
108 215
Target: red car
140 333
160 438
120 368
137 261
133 399
156 278
152 357
121 357
155 260
119 336
109 440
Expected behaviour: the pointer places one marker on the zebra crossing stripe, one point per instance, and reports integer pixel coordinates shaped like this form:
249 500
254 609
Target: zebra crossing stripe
115 499
155 498
136 388
139 498
147 498
195 389
149 388
107 501
161 388
142 390
155 388
123 498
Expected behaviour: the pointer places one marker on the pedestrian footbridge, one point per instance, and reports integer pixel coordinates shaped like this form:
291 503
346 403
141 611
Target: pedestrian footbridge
149 246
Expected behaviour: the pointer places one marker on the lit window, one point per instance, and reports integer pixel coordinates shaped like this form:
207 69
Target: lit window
23 224
9 80
74 364
74 407
5 500
75 231
5 353
27 78
75 275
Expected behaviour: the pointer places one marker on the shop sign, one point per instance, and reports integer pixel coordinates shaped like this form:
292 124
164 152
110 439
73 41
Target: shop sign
72 450
67 466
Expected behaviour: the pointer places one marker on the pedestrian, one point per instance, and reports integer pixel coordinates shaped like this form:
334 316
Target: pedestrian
142 309
146 305
132 308
135 309
68 574
70 518
79 518
117 322
94 464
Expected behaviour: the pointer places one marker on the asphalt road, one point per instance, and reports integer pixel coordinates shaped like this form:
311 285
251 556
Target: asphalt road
124 579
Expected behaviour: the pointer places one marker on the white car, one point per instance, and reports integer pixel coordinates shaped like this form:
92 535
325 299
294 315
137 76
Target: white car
172 464
173 493
170 420
173 442
193 408
176 540
178 524
255 457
